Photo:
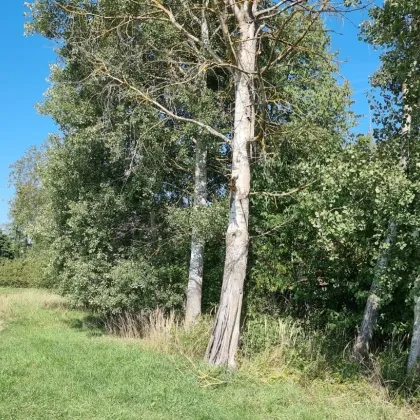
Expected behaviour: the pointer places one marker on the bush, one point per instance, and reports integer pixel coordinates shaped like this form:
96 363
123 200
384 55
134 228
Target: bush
23 272
119 287
273 347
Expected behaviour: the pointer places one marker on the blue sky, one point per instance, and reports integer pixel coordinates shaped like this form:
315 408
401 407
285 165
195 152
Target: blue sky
23 70
358 60
25 67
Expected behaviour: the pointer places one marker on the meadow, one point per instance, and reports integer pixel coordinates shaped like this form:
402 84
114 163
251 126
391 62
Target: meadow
56 363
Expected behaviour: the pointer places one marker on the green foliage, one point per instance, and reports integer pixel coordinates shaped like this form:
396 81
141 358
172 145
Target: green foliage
109 199
6 248
318 261
123 286
118 184
28 271
27 202
394 28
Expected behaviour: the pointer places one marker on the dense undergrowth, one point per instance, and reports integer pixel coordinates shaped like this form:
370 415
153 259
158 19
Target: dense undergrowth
58 363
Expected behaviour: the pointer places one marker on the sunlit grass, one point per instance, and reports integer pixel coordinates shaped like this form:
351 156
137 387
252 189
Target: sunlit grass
56 364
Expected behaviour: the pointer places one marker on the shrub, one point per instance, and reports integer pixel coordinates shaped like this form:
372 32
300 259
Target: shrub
23 272
119 287
273 346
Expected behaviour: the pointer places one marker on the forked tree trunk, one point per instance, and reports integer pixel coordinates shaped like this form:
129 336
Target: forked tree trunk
195 278
224 340
370 316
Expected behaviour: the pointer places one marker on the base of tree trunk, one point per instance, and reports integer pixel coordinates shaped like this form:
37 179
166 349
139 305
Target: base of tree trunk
224 341
414 356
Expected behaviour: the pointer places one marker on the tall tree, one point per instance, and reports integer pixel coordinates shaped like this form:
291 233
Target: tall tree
395 27
148 49
196 269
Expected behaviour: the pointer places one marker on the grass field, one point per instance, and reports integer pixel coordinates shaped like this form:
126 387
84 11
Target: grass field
53 367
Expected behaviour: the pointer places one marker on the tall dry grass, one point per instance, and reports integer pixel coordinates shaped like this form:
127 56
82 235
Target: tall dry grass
29 298
270 347
161 330
21 303
275 347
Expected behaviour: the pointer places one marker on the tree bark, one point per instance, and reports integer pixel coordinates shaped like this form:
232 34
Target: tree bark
415 339
224 340
196 271
370 316
195 278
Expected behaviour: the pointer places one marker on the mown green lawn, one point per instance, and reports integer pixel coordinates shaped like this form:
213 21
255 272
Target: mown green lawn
51 368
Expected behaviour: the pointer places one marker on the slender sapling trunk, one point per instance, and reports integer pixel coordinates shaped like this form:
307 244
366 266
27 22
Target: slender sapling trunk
195 278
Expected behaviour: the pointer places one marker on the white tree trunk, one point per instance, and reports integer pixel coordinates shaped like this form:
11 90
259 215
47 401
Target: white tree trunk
195 278
224 341
370 316
361 347
414 355
196 271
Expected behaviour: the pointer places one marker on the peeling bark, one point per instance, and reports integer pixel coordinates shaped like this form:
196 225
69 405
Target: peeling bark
224 340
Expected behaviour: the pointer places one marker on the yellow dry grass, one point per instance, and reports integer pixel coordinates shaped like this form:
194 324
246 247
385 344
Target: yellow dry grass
10 303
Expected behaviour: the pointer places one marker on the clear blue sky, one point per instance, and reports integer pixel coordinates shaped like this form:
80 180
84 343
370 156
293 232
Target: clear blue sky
358 60
24 69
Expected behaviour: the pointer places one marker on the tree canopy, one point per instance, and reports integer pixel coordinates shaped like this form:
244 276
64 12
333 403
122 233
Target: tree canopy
205 160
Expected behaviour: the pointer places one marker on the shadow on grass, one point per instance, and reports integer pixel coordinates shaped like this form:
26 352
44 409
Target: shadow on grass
92 325
58 305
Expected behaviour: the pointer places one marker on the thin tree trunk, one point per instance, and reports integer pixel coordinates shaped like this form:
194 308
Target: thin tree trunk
415 339
224 340
195 278
370 316
414 355
406 128
196 271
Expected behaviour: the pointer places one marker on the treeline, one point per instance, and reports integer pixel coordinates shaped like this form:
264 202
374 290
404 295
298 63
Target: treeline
178 119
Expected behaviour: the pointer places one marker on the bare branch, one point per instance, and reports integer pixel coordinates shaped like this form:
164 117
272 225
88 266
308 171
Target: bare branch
156 104
282 194
262 14
299 40
223 15
190 36
234 6
274 229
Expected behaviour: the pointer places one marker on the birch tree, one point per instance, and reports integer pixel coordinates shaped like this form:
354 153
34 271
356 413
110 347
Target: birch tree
371 312
392 27
148 49
196 269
